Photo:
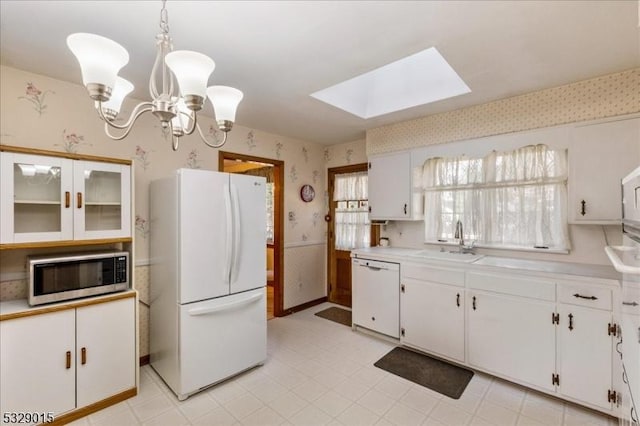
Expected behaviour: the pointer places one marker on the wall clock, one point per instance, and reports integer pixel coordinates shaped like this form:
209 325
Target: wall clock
307 193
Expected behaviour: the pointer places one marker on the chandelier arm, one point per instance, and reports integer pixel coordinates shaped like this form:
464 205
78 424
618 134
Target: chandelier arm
116 137
193 116
175 140
140 109
204 138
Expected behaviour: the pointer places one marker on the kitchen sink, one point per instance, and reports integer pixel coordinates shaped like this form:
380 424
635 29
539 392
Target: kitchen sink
451 255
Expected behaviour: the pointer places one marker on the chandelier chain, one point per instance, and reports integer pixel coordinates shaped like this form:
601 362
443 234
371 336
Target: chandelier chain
164 18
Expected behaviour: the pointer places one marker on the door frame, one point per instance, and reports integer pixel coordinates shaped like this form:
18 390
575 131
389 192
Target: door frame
331 173
278 221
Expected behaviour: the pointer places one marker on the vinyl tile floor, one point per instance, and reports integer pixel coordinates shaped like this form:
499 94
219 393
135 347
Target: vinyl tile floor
321 373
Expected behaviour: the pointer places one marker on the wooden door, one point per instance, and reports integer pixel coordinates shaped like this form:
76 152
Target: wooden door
339 261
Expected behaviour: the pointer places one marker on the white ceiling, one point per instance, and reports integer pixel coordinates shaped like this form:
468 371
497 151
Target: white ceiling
279 52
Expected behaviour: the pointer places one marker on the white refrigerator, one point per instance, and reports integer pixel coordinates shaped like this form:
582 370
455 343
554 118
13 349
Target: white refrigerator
207 277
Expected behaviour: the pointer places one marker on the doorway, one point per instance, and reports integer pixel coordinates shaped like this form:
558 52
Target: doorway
348 227
273 171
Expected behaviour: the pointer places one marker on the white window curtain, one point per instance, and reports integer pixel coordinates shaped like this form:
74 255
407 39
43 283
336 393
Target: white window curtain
352 227
508 199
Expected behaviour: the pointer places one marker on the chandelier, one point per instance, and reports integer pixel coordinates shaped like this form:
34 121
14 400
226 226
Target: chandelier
101 59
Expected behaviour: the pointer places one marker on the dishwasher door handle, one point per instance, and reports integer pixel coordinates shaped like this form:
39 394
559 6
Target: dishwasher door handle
374 268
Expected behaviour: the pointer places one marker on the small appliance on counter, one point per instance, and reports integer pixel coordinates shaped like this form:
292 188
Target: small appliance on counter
626 260
54 278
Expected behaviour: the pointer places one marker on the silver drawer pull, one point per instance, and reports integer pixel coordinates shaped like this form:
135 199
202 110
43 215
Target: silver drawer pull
579 296
631 303
374 268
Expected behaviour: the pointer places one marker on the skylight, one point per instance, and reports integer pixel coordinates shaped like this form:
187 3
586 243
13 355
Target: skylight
419 79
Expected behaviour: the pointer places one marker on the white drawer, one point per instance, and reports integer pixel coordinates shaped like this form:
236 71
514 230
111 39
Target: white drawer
631 301
431 274
583 295
535 288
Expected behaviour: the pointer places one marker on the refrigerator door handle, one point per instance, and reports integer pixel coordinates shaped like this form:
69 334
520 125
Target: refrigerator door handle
229 234
226 306
236 233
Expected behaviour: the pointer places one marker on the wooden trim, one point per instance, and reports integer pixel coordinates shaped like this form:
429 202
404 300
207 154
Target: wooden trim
331 174
64 243
306 305
144 360
225 155
278 244
72 156
71 305
96 406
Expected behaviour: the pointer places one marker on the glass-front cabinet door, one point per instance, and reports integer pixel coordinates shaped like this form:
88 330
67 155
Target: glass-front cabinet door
102 200
36 198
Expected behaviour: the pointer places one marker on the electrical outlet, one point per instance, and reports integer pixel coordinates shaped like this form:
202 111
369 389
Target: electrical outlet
292 216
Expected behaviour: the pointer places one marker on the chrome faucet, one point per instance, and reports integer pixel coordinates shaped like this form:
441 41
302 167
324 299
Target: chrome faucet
459 235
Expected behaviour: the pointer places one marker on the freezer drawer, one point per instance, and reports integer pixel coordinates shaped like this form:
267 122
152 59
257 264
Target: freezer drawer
220 338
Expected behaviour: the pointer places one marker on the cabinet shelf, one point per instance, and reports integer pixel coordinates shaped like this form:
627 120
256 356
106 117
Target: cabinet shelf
102 203
38 202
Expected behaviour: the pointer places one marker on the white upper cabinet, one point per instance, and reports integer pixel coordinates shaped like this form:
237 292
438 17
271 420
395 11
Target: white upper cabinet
102 200
600 155
390 186
35 198
47 198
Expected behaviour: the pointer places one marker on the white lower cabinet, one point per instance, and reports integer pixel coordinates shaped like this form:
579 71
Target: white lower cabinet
37 363
376 296
585 354
512 336
432 317
105 348
68 359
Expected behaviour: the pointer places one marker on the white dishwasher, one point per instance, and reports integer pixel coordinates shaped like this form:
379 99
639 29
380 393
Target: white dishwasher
376 296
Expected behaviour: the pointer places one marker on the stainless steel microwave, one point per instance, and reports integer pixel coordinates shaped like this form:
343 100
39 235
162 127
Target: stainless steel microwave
54 278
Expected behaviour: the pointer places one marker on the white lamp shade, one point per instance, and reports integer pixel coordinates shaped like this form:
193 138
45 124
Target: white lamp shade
192 70
100 58
225 102
120 91
180 121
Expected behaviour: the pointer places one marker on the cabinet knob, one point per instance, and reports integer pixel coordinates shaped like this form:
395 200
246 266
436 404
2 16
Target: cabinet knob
458 300
67 199
373 318
68 359
583 207
473 304
405 208
83 356
79 200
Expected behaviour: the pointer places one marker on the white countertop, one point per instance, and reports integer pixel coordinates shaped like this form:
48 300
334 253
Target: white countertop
8 307
401 254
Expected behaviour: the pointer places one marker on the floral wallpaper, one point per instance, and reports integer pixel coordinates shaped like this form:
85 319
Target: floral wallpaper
44 113
605 96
